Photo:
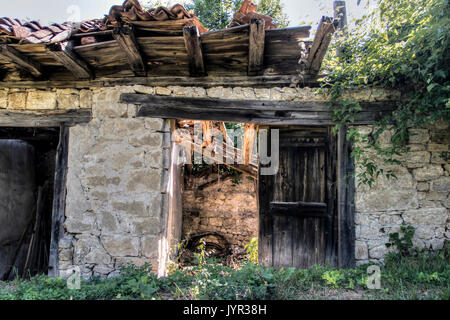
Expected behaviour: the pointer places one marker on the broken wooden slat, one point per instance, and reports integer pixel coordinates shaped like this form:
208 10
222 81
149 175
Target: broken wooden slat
291 34
256 47
249 142
194 51
250 111
320 45
207 133
127 41
21 61
63 53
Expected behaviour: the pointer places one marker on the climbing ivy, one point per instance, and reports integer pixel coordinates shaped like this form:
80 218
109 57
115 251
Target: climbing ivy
401 44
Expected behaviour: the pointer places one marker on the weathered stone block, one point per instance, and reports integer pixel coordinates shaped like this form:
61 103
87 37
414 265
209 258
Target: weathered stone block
417 159
262 94
147 140
378 252
439 157
386 200
144 89
98 256
85 99
144 180
426 216
429 172
418 136
3 98
121 246
361 251
135 208
163 91
215 92
41 100
17 100
442 184
437 147
68 99
150 246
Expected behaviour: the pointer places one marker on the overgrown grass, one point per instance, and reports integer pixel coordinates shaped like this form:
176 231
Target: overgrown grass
420 275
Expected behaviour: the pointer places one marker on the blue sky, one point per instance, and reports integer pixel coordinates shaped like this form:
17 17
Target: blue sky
47 11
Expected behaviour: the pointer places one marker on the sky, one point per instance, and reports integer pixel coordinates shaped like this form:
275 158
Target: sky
48 11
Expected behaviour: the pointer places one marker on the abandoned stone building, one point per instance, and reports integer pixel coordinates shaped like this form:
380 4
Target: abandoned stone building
95 141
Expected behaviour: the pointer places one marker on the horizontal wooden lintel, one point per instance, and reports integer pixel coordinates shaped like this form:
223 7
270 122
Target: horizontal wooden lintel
249 111
10 118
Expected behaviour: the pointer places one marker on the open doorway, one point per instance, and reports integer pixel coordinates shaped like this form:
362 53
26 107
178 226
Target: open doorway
27 171
218 172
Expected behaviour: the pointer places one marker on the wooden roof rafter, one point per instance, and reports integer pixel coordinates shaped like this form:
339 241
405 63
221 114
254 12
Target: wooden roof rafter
194 51
126 39
63 53
21 61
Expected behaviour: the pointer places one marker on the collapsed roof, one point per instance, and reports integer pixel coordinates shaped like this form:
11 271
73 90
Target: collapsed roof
131 41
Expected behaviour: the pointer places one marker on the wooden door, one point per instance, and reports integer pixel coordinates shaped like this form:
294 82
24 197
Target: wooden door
298 204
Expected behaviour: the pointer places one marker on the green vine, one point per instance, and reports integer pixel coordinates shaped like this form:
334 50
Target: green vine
401 45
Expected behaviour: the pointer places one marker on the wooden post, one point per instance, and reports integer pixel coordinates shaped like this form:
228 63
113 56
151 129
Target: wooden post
346 237
21 61
194 51
256 47
127 41
59 200
62 52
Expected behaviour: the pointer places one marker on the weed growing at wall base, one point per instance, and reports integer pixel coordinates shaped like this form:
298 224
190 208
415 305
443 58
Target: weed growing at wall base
425 274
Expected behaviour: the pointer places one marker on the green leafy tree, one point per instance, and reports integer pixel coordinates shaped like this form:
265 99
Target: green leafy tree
402 44
214 14
217 14
274 8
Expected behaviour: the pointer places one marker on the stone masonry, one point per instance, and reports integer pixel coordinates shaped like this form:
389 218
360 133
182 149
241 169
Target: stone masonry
418 197
225 207
117 176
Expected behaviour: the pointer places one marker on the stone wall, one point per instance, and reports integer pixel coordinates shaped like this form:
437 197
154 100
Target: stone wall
418 197
224 206
118 170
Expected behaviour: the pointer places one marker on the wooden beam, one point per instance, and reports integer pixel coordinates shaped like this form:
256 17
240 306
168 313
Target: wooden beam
194 51
250 111
59 200
21 61
127 41
256 47
206 82
34 119
62 52
320 45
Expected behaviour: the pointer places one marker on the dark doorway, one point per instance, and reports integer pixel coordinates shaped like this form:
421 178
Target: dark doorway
27 171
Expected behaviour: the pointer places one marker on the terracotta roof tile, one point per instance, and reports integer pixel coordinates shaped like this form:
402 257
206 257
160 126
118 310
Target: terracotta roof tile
14 30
